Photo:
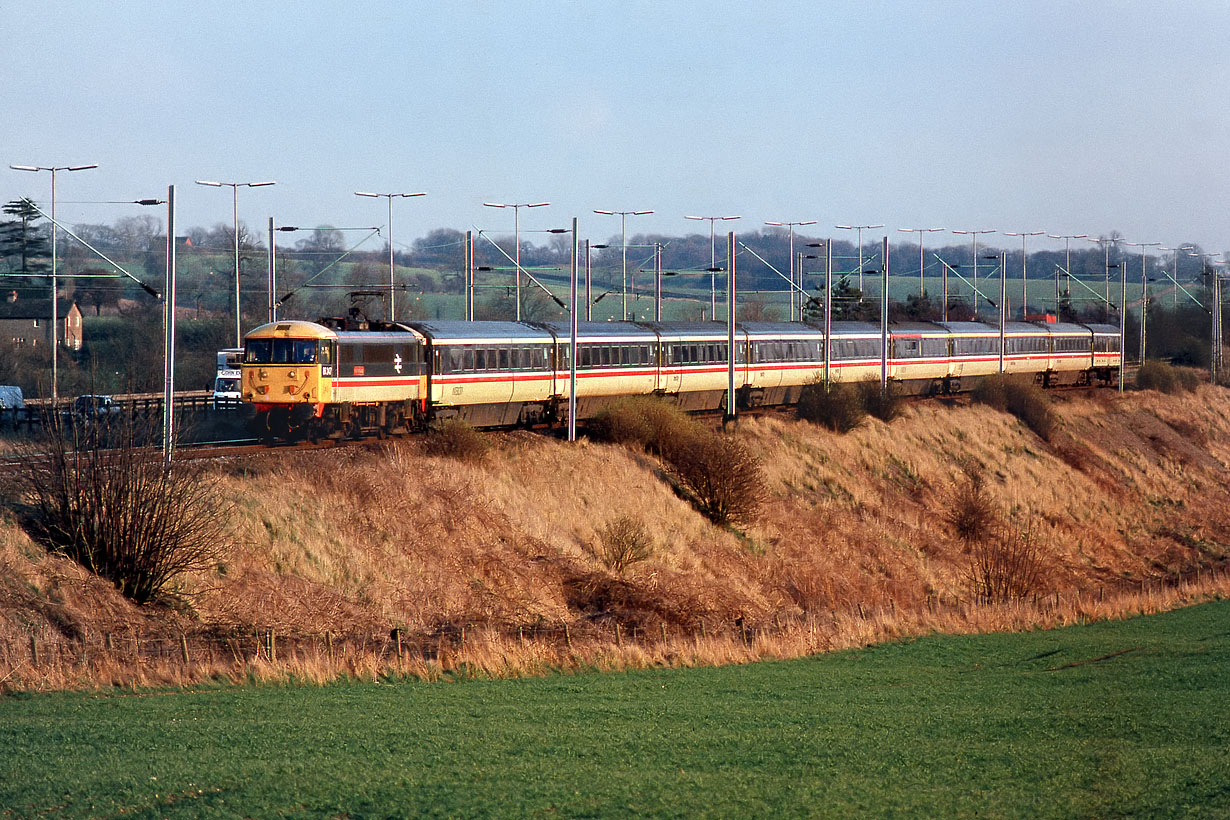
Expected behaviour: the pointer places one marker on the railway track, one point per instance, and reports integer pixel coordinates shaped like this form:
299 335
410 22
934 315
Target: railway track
238 448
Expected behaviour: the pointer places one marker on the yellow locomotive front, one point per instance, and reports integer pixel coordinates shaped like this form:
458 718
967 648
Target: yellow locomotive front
288 371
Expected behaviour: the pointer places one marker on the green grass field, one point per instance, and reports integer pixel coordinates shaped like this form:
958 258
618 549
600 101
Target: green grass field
1109 720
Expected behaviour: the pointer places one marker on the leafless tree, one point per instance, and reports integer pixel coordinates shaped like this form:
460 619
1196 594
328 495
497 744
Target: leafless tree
96 493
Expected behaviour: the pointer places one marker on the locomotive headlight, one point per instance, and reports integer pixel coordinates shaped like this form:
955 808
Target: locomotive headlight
291 375
264 374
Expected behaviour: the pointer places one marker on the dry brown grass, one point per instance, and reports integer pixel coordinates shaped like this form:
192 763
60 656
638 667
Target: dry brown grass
851 547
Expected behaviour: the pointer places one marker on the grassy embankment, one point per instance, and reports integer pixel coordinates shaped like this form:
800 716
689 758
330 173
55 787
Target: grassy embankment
1127 506
1113 719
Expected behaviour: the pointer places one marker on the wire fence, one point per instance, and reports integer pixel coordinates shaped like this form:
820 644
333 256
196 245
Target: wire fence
47 658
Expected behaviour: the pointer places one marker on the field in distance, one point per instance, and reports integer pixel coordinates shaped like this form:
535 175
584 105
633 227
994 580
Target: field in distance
1119 718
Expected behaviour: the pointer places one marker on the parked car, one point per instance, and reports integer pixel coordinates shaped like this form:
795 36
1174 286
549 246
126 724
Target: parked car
94 406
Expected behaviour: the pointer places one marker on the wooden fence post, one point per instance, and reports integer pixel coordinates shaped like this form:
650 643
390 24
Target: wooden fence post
619 638
33 650
183 646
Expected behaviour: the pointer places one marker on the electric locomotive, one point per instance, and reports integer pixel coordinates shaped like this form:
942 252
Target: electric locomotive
334 377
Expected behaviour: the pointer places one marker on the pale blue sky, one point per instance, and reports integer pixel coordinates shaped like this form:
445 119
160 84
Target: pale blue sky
1069 117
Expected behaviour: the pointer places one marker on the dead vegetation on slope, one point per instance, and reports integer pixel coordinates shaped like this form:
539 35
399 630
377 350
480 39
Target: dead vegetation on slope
348 555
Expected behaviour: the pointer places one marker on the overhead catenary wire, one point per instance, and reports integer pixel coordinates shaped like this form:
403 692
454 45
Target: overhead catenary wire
326 268
151 291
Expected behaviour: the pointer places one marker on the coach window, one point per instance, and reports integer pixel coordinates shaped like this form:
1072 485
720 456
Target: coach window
503 358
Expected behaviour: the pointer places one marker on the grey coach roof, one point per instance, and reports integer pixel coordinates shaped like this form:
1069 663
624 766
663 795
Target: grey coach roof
457 329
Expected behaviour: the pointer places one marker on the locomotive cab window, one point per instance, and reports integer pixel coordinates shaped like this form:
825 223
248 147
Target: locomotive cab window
280 351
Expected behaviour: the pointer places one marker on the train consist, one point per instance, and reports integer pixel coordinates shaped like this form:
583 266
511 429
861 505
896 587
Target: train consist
351 377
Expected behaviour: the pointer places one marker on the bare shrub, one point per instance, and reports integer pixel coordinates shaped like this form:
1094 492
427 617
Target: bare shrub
840 408
991 391
1025 400
453 438
886 404
621 423
1030 404
622 543
1006 566
1159 376
719 472
641 422
120 511
1189 378
971 512
1165 378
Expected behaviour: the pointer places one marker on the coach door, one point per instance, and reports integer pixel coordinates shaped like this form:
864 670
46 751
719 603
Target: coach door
672 376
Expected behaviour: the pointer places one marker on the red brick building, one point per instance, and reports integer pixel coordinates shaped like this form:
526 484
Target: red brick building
28 322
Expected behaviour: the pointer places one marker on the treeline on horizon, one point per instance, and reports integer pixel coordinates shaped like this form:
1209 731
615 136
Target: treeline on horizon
322 266
25 247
